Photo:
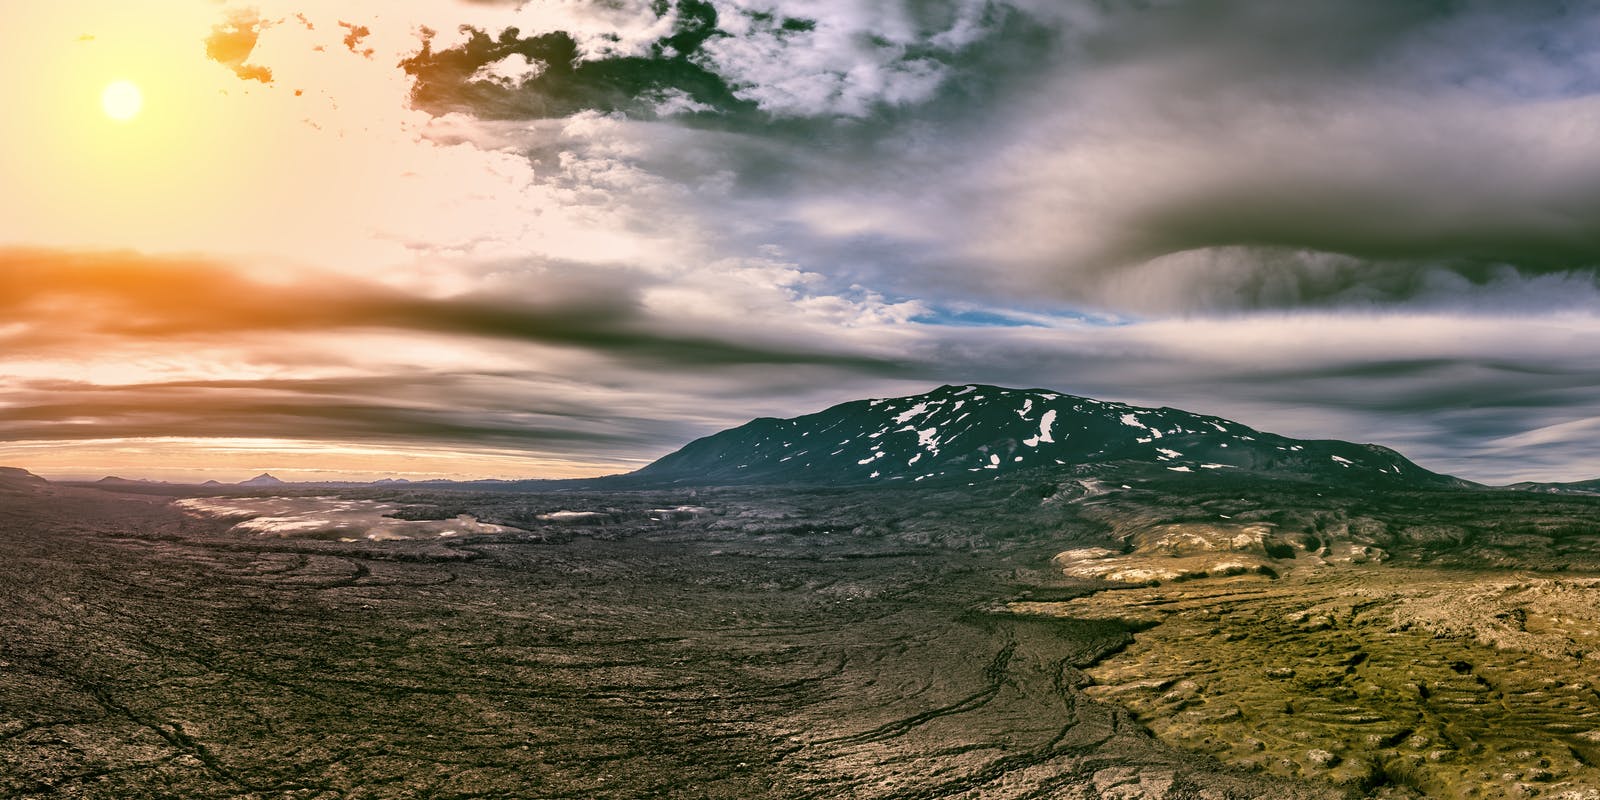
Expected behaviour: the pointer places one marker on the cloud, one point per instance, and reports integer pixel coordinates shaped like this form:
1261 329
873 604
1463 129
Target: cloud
1232 279
346 411
509 72
569 370
1178 157
78 297
1138 158
349 364
474 226
810 59
559 77
353 39
232 41
835 58
1406 139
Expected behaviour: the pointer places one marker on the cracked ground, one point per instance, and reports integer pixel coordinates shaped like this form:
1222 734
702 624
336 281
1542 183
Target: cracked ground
791 643
766 651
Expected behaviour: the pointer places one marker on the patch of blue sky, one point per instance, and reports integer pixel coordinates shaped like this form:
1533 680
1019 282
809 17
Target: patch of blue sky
969 316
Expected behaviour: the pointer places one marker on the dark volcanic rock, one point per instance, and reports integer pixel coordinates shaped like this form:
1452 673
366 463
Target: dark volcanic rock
967 433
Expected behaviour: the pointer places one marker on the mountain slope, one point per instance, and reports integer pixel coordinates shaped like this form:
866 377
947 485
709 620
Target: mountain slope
970 432
15 479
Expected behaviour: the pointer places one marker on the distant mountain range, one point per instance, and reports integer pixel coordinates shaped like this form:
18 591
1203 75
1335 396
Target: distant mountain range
1576 487
961 434
264 480
974 432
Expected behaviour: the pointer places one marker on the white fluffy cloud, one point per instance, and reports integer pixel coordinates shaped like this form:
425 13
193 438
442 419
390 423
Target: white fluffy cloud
839 57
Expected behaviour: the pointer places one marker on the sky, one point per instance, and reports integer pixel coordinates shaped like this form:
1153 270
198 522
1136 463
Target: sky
559 238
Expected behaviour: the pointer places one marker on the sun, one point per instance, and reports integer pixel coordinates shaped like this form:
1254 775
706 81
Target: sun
122 100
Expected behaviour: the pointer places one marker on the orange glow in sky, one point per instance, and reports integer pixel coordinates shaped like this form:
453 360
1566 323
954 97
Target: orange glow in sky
297 166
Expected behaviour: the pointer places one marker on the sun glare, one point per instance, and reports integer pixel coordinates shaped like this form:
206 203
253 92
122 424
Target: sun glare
122 101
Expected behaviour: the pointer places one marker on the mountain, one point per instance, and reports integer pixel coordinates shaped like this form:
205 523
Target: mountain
114 482
167 488
975 432
14 479
264 480
268 481
1591 487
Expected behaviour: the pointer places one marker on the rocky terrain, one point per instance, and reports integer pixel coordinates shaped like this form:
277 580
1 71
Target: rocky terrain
1402 644
1392 681
908 642
714 643
976 593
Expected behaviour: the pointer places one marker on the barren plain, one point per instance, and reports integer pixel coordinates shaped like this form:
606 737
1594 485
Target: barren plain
789 643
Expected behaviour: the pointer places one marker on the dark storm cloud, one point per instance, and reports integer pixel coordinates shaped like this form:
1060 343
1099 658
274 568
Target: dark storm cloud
1225 279
65 298
1408 139
565 83
1192 156
753 67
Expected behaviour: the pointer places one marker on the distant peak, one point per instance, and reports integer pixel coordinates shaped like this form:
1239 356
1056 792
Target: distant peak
264 479
965 388
20 474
